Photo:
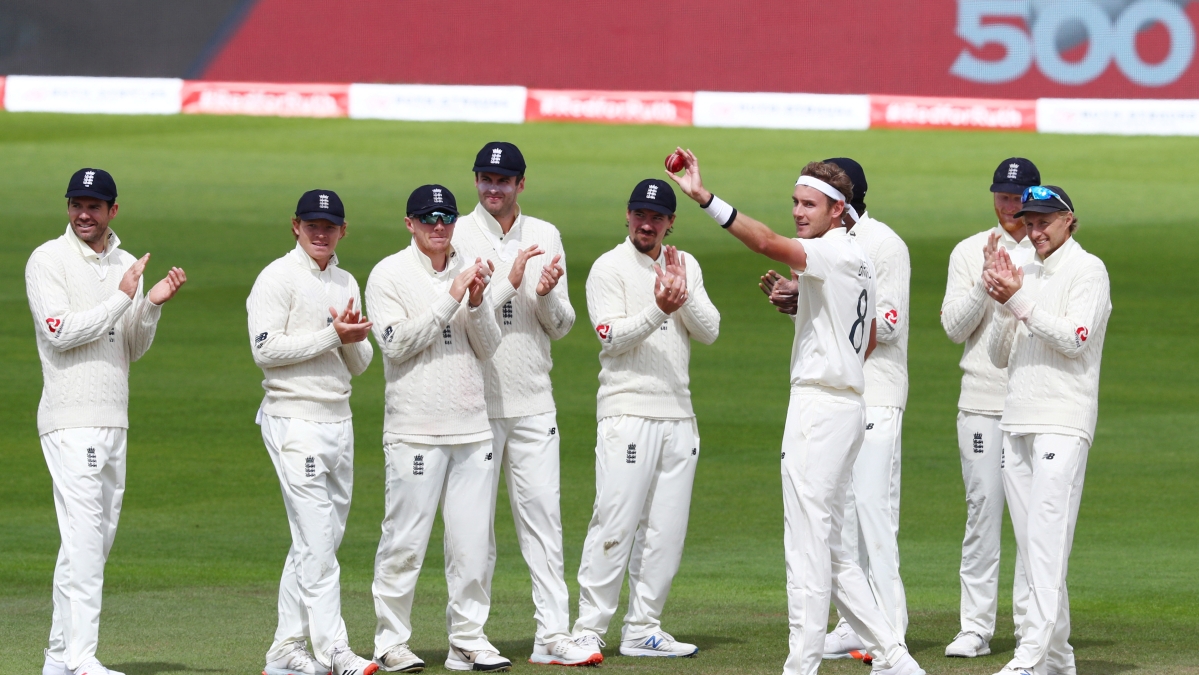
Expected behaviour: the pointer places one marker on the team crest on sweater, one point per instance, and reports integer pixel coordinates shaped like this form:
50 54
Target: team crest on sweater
1082 333
604 331
53 324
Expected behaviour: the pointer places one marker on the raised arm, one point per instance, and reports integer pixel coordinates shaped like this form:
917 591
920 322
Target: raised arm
400 335
966 300
1087 306
357 355
51 307
699 315
617 331
267 309
142 322
554 311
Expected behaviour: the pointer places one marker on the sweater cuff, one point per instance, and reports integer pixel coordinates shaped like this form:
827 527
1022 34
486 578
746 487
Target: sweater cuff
444 308
328 339
484 306
656 316
151 313
502 291
978 292
117 304
1021 304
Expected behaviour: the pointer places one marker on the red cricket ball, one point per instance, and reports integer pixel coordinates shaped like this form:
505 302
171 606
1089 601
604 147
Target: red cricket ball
675 162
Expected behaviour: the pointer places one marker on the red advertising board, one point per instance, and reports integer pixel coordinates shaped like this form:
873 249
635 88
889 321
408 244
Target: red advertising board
1017 49
925 112
612 107
268 99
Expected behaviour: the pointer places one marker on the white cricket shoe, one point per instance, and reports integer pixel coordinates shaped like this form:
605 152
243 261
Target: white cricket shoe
905 666
400 659
843 643
968 645
1009 670
345 662
486 660
565 653
592 644
296 662
94 667
54 666
658 644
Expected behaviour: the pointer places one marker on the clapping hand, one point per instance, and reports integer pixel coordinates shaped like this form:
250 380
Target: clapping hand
782 292
478 284
1003 278
168 287
350 325
518 265
670 284
550 274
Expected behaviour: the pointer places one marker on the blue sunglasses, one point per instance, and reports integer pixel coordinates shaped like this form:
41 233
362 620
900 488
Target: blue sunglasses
432 218
1042 193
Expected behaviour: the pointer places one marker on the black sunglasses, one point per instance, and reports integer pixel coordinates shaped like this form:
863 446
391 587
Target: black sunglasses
432 218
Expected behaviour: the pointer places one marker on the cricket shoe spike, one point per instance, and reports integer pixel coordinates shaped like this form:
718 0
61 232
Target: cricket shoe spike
53 666
906 665
295 662
842 642
591 643
342 661
483 660
400 659
968 645
658 644
94 667
565 653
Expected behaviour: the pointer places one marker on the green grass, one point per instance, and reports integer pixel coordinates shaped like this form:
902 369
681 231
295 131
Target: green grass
191 582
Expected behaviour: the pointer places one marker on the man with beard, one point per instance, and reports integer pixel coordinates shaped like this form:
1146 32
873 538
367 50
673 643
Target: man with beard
646 302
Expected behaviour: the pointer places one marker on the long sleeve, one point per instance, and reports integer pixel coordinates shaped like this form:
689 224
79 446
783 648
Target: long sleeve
1000 336
554 311
400 336
268 307
966 299
1086 304
482 330
140 325
618 332
699 315
51 307
358 355
893 272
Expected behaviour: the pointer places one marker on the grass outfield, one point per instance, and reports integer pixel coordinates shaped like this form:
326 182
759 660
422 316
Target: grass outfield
192 578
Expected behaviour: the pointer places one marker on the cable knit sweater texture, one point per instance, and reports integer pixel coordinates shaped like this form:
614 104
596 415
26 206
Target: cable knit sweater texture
1050 336
517 378
88 332
433 347
886 370
645 353
306 369
966 314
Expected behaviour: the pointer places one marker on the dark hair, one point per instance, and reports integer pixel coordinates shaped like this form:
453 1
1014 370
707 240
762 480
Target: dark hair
833 175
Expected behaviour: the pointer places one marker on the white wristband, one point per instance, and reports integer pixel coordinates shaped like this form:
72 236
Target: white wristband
721 211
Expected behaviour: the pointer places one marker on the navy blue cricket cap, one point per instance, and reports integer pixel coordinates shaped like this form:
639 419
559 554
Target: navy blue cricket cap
500 157
1046 199
1014 174
96 183
857 176
653 194
430 198
321 205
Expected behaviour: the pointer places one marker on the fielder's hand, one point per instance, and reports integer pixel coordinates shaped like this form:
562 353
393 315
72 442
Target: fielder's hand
479 283
550 274
350 325
690 182
989 250
518 266
168 287
670 288
1004 278
128 284
782 292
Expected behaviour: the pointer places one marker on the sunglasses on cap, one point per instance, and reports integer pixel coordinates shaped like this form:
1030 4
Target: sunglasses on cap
1042 193
433 217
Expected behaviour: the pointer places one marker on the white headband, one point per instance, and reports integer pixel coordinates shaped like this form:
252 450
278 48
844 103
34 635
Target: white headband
829 191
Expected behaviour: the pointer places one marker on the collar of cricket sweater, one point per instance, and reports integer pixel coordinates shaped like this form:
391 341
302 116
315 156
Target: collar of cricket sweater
1058 258
505 245
86 251
835 233
1009 242
301 256
451 265
643 259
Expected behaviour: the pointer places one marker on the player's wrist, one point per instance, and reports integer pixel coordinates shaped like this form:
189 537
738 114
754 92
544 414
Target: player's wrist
721 211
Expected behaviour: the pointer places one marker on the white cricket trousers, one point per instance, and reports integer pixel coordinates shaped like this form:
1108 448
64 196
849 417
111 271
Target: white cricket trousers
459 477
315 465
871 530
980 443
821 440
644 469
1043 477
87 468
528 450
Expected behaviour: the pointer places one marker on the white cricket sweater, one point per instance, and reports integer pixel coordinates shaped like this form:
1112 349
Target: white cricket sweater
886 370
433 347
88 332
306 369
1049 336
645 353
517 378
967 312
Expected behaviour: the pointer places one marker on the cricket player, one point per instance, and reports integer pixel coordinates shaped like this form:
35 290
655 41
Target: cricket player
533 308
966 314
871 525
435 327
835 330
309 338
1048 333
646 302
91 321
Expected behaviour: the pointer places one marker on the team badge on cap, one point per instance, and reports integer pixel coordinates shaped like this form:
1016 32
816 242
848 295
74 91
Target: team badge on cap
430 198
500 157
321 205
96 183
653 194
1014 174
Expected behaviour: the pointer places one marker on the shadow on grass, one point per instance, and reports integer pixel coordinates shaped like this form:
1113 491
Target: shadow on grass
1103 667
157 667
518 651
